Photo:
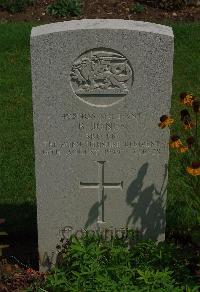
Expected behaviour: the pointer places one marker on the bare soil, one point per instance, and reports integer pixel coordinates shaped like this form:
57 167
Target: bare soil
103 9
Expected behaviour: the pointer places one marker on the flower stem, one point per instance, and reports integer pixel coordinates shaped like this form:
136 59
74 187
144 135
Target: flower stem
196 131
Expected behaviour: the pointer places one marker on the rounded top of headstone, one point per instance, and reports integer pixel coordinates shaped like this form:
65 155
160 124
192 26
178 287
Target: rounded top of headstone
114 24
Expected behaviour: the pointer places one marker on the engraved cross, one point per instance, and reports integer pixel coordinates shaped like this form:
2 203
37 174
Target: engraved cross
101 186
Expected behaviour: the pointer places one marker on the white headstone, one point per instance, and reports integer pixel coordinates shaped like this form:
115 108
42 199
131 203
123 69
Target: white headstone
99 89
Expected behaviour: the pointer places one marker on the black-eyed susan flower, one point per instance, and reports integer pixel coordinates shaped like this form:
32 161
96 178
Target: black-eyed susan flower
187 98
175 142
183 149
196 106
194 169
187 122
187 125
165 121
190 141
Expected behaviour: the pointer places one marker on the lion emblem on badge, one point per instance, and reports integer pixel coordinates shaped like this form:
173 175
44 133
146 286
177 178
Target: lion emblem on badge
101 73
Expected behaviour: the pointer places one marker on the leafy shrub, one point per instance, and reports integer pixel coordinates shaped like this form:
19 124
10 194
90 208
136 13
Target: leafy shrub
169 4
137 8
15 5
61 8
172 4
93 263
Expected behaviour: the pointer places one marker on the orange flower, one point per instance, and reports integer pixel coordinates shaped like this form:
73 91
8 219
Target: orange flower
187 98
194 169
165 121
183 149
188 125
175 142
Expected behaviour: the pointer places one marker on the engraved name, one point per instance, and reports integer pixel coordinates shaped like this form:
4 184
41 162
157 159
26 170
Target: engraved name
101 134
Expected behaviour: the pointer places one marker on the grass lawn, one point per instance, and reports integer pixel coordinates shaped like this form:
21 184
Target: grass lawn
17 182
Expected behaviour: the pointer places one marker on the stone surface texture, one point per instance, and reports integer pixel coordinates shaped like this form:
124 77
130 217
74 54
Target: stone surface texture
99 88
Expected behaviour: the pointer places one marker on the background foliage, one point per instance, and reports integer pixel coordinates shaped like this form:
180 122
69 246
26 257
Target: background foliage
61 8
15 5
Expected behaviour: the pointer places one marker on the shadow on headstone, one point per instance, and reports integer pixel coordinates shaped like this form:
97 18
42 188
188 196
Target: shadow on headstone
46 261
94 213
147 205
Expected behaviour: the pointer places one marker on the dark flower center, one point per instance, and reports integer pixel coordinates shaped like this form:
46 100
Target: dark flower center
195 164
187 122
163 118
183 95
175 138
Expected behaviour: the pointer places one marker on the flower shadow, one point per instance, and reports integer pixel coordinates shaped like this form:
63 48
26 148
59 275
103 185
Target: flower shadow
148 206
